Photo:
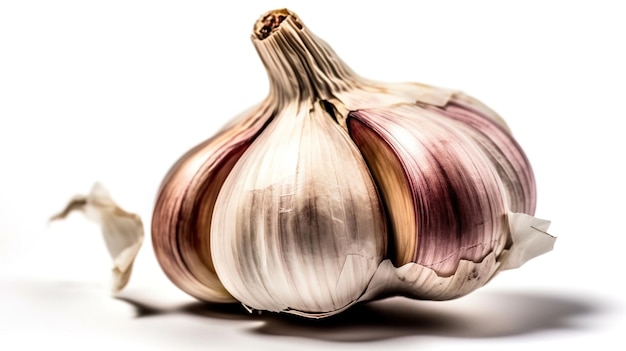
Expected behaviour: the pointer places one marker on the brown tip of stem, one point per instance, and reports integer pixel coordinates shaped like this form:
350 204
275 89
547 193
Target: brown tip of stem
270 22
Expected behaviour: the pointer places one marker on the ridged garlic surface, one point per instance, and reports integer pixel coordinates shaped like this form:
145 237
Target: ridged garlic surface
337 189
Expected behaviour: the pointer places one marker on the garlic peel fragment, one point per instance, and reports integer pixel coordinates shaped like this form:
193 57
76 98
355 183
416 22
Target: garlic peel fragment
420 282
529 240
122 231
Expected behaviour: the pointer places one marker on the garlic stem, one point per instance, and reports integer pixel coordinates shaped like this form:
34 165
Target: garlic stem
299 64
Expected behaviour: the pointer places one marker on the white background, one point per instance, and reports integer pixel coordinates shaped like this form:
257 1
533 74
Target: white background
116 91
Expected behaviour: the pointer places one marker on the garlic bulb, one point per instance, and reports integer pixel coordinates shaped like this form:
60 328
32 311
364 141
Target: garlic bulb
337 189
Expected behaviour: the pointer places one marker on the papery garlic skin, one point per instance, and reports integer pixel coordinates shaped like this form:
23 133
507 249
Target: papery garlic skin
340 189
122 231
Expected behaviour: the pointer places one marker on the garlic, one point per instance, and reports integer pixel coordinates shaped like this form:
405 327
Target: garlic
122 231
337 189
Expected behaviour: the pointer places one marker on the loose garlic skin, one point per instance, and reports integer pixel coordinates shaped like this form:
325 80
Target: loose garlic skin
337 189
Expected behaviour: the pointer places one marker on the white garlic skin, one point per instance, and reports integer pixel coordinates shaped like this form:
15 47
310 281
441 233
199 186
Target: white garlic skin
337 189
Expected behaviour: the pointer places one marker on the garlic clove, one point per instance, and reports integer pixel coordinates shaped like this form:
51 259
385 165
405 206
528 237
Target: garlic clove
298 225
400 144
457 209
186 201
122 231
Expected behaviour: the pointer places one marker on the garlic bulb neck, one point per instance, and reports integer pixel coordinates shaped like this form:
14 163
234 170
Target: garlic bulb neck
299 64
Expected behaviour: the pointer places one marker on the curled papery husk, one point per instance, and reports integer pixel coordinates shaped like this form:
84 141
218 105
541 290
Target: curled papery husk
122 231
338 189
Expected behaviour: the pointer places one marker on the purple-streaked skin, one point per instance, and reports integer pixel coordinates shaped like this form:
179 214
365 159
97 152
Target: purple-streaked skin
489 131
185 204
457 200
